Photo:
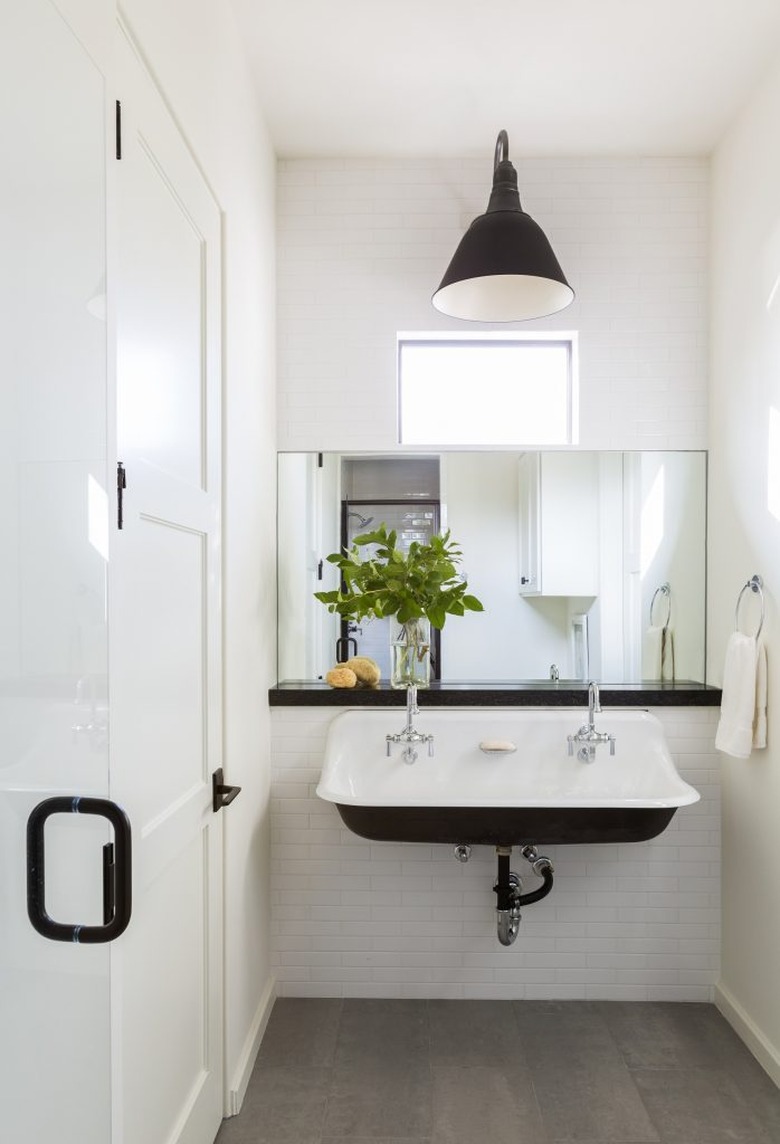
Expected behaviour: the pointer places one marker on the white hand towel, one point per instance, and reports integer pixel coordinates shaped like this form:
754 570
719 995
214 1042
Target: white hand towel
658 653
743 706
759 723
651 653
667 654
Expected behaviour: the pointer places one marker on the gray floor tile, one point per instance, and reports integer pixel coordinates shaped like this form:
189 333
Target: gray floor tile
691 1036
233 1131
281 1083
374 1031
388 1099
484 1103
669 1035
582 1085
282 1106
759 1092
524 1072
697 1106
592 1102
302 1031
467 1033
734 1058
554 1033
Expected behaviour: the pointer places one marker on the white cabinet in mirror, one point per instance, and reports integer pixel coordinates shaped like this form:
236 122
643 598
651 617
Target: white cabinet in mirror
566 549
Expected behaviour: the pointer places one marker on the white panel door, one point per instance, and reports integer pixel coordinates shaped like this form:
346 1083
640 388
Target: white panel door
54 995
164 593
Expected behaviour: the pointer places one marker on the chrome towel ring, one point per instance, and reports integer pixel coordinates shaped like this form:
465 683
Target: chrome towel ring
754 584
663 590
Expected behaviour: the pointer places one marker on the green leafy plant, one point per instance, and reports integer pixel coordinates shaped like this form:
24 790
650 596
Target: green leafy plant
423 581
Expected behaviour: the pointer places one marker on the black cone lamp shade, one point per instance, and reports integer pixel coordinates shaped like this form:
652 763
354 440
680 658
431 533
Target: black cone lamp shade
504 269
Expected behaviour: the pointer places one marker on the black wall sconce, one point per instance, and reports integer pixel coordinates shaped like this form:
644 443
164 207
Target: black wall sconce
504 269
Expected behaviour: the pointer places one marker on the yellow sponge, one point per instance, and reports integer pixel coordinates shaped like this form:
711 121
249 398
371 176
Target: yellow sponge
366 670
341 676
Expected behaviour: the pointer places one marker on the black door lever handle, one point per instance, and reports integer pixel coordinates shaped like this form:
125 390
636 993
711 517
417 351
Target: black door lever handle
223 794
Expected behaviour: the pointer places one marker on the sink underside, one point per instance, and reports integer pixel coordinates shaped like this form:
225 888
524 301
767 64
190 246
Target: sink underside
506 825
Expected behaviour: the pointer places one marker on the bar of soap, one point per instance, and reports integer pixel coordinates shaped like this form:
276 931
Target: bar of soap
497 746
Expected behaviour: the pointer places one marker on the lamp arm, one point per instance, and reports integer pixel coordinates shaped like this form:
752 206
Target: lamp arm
502 149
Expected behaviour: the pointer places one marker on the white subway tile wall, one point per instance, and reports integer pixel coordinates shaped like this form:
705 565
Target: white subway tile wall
363 244
353 918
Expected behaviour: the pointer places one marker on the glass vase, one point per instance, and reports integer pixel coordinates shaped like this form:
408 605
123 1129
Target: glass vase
410 653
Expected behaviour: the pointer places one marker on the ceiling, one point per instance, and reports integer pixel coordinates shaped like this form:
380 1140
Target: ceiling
441 77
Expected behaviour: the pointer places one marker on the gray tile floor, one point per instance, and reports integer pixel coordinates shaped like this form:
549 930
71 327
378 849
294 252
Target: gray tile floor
503 1072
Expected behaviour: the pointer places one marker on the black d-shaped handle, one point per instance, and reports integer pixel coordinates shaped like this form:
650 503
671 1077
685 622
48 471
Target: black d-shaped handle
117 871
222 794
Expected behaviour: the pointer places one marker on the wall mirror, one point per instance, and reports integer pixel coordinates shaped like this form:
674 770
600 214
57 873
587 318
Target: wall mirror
589 564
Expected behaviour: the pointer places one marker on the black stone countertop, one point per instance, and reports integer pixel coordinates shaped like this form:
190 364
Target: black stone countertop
499 693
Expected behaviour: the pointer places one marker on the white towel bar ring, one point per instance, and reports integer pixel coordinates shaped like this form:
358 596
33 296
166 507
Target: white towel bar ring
664 590
754 584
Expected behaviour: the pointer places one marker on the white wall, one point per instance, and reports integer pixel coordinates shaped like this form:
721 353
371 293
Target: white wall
195 53
744 529
352 918
672 538
295 584
514 638
363 245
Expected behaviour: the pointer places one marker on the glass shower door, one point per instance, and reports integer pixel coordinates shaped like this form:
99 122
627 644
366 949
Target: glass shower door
54 995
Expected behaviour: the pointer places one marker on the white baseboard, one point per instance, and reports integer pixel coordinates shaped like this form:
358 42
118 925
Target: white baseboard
246 1061
767 1055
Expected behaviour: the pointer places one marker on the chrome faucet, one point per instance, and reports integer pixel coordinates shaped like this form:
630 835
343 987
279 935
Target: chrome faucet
594 704
587 736
409 736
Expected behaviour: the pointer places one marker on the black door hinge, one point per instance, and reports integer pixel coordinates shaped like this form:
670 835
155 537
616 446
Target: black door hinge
118 130
319 570
121 485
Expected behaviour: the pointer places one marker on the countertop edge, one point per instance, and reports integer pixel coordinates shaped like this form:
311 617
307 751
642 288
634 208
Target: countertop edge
682 694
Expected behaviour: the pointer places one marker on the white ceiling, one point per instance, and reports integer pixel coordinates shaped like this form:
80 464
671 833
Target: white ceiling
564 77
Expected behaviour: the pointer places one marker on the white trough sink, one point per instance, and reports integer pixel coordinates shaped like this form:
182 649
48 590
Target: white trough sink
537 793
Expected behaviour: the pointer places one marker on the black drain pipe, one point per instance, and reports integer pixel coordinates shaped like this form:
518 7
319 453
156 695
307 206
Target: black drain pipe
546 873
508 890
543 868
506 887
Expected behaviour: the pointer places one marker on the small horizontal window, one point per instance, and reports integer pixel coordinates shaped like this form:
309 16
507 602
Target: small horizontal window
486 391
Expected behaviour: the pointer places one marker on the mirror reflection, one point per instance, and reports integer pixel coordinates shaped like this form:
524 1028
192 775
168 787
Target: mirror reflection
589 564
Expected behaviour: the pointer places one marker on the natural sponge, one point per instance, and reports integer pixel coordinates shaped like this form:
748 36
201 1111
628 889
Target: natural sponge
366 670
341 676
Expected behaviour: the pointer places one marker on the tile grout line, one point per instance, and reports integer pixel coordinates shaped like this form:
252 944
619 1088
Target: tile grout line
329 1093
530 1073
